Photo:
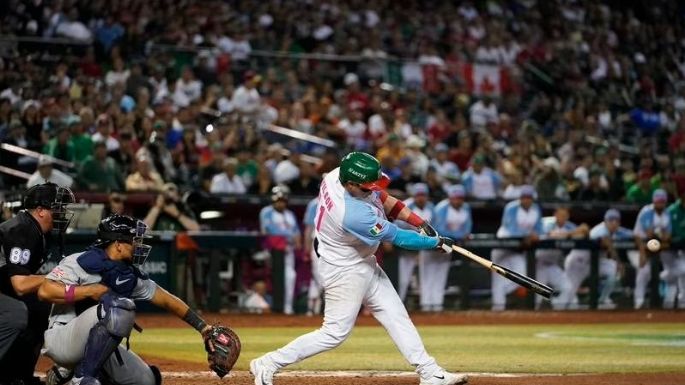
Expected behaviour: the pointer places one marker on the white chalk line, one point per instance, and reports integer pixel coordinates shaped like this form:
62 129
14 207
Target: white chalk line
349 374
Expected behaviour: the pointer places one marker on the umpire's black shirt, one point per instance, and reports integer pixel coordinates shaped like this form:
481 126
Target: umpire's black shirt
22 249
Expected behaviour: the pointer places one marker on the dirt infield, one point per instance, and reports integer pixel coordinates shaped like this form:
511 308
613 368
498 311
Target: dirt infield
186 373
446 318
614 379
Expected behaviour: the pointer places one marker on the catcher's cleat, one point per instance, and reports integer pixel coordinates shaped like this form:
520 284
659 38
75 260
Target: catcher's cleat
263 372
446 378
58 376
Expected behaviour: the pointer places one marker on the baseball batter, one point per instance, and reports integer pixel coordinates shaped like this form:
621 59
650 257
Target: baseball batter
577 264
452 219
408 259
93 293
315 289
350 223
652 221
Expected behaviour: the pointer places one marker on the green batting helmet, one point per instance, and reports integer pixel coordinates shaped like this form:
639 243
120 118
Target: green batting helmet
364 169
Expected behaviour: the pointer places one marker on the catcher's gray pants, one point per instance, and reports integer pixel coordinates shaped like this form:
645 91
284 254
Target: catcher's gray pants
65 343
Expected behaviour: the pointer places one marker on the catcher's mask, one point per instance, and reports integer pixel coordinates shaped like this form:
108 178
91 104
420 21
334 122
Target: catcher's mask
54 198
122 228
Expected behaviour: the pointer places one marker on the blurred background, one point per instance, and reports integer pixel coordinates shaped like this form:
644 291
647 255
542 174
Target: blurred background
189 113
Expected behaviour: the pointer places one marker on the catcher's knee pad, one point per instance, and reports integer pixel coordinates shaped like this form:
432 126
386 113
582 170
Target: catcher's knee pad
118 315
157 374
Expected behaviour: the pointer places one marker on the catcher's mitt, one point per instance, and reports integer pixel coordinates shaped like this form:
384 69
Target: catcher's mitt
223 349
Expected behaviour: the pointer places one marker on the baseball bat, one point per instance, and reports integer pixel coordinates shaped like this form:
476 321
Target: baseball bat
509 274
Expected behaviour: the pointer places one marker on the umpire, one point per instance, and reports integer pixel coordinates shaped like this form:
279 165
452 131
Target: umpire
23 249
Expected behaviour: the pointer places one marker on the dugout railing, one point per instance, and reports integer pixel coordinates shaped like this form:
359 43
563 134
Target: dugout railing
172 265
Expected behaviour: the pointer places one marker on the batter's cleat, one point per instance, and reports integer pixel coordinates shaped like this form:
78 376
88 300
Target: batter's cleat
263 372
85 381
445 378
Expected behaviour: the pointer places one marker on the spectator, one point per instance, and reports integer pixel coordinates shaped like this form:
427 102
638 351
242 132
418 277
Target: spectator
594 191
79 140
480 181
104 129
228 182
483 112
548 183
169 213
287 170
116 205
446 170
99 172
46 173
246 99
60 146
642 191
145 179
308 182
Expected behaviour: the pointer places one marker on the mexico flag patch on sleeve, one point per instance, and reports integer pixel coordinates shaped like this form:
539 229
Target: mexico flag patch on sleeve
376 230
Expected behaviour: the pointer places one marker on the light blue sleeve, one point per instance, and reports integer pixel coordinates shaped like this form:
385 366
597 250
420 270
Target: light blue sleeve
310 212
467 182
296 228
267 224
440 217
468 226
538 223
623 233
598 231
362 222
570 226
509 219
496 179
411 240
643 222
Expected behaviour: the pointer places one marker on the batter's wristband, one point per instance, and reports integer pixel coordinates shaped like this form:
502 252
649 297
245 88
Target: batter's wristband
194 320
69 294
415 220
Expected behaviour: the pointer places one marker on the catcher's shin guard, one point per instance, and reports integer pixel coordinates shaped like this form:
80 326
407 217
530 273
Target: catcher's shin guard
116 323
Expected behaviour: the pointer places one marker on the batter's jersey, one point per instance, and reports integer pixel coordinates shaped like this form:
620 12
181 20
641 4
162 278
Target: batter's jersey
649 219
22 249
452 222
349 229
70 272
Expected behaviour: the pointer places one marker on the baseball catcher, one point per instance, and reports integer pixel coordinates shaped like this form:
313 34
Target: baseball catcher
93 295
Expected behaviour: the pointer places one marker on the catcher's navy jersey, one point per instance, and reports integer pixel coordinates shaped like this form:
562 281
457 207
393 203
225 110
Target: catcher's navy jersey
92 266
22 249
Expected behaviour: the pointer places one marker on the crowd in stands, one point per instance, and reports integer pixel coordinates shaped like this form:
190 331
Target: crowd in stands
588 103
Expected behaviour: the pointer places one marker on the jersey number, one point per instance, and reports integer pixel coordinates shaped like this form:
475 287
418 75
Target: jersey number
322 211
20 256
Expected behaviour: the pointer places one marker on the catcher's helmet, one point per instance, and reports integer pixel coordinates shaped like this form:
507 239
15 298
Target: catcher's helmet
53 197
122 228
280 192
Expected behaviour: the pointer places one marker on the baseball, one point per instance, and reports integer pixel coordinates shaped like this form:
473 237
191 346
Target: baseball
653 245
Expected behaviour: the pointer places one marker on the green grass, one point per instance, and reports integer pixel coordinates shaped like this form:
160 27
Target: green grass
508 349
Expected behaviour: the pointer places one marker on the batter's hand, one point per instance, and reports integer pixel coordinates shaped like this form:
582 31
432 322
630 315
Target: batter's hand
428 230
442 242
